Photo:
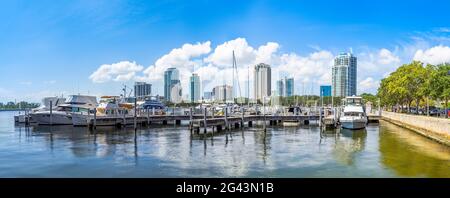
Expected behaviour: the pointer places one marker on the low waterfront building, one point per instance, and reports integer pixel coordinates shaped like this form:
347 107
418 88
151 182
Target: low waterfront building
325 90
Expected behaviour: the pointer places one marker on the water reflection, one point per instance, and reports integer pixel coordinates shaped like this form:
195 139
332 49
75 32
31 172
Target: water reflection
347 143
172 151
411 155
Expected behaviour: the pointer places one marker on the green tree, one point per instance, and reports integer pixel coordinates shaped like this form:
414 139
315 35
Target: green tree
439 84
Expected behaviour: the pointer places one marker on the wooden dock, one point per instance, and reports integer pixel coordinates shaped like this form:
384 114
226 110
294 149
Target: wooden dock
197 122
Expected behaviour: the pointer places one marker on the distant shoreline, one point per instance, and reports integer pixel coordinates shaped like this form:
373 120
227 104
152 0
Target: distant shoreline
12 109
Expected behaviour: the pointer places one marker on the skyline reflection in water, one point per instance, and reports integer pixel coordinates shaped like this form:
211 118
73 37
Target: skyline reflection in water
382 150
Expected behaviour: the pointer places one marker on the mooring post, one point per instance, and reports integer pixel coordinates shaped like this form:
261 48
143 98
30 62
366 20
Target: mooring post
204 120
153 111
124 117
95 118
242 119
26 117
320 116
379 107
148 116
226 118
51 112
190 118
264 114
135 113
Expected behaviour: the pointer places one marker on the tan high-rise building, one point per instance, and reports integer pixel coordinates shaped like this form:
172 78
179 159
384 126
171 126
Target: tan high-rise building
262 81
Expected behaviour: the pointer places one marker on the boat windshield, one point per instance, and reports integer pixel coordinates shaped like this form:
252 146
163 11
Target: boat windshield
353 114
353 101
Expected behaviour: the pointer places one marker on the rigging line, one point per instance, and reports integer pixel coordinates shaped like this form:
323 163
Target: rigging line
237 75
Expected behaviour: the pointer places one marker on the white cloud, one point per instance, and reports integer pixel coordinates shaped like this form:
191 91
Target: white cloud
213 64
223 54
443 30
368 85
386 57
314 68
121 71
181 58
435 55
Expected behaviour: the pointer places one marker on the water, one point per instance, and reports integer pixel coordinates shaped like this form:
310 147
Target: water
382 150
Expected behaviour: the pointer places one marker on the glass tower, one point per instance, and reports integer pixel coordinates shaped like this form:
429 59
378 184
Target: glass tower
195 87
344 75
289 83
171 78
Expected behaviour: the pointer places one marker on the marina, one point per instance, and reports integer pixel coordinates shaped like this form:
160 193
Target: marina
157 150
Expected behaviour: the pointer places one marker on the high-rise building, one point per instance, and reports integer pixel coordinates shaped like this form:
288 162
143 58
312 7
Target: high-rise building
325 90
142 89
195 87
344 75
280 88
262 81
176 94
289 87
207 95
171 78
222 93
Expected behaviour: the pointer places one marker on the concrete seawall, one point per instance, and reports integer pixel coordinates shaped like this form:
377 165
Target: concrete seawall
435 128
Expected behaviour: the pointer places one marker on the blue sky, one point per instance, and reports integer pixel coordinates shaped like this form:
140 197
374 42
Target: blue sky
53 47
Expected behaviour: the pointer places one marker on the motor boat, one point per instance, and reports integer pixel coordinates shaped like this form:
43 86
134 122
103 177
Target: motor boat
292 111
62 114
108 108
45 106
353 115
154 106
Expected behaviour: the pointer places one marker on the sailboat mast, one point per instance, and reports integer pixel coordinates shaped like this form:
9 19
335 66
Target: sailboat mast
248 85
232 71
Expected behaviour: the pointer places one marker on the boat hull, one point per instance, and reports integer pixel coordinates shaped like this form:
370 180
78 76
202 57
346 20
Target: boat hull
57 118
79 120
354 125
85 120
291 123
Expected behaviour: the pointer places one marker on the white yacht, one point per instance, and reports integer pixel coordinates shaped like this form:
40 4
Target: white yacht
62 114
353 115
107 108
45 106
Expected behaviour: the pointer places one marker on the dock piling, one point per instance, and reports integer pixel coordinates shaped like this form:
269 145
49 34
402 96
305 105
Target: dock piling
204 120
95 118
135 114
226 118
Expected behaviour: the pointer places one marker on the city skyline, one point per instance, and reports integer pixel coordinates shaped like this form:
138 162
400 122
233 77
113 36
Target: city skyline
62 48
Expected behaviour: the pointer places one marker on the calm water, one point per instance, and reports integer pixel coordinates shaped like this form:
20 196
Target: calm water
382 150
